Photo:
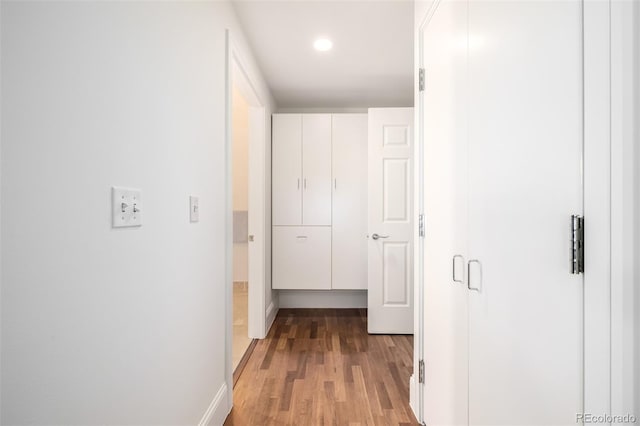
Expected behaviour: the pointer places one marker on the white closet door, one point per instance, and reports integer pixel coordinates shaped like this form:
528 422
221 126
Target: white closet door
390 208
302 257
287 169
525 151
349 247
316 169
444 119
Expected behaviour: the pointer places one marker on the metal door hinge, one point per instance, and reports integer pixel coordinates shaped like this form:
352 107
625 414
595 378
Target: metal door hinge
421 225
421 371
421 79
577 244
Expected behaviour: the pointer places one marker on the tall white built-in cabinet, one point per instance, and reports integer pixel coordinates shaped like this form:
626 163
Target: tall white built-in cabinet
503 135
319 201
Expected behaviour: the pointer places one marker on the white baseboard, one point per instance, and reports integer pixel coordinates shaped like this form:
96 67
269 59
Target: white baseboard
413 396
218 410
323 299
272 311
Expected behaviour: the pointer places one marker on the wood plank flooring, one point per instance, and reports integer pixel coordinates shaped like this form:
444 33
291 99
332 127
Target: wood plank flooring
320 367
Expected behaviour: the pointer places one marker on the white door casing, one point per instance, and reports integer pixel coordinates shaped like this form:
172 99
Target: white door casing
390 252
238 73
444 132
257 224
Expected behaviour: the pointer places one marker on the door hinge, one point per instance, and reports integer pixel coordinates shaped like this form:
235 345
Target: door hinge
421 79
421 371
577 244
421 225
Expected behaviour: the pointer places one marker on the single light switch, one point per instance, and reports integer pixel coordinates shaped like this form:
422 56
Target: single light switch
194 209
126 207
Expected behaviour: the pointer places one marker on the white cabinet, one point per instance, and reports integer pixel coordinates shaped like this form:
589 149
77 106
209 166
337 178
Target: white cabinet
349 248
503 315
287 169
320 201
302 257
301 169
316 169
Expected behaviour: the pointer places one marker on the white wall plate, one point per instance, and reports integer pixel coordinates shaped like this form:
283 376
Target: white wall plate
126 207
194 209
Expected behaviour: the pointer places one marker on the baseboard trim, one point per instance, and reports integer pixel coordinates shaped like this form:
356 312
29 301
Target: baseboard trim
413 396
243 362
322 299
271 317
218 410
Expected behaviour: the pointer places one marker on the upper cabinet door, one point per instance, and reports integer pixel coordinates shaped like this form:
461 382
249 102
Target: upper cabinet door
349 249
287 169
316 168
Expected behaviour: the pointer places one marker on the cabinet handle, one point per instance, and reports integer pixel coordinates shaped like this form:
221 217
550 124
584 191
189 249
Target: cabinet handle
298 183
305 183
301 236
469 274
335 184
453 272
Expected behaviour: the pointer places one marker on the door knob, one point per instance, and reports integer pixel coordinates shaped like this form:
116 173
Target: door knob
376 236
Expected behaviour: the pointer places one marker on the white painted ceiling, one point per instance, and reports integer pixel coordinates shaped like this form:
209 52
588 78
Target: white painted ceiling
370 65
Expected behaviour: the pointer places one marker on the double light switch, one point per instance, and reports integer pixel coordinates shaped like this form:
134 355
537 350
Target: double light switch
126 205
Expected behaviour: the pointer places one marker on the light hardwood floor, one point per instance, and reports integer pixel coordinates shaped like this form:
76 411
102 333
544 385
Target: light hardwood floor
320 367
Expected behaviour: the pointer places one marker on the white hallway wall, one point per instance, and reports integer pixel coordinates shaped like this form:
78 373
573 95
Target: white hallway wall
104 326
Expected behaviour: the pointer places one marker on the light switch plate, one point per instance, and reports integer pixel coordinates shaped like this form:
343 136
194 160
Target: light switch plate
194 209
126 207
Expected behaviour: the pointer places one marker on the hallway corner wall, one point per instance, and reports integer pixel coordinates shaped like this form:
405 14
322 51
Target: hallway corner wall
103 325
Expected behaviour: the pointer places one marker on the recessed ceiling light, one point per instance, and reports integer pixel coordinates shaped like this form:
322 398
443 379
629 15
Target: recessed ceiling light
322 44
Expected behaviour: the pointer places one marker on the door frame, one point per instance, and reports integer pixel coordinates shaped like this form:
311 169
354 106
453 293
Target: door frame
416 389
598 209
237 73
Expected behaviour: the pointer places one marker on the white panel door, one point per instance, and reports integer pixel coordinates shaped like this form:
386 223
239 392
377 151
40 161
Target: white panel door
302 257
390 251
525 151
444 139
287 169
316 169
349 223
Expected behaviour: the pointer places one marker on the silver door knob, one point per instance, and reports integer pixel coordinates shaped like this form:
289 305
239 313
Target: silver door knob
376 236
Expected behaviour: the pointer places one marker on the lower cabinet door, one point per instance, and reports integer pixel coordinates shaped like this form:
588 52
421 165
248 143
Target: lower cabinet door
302 257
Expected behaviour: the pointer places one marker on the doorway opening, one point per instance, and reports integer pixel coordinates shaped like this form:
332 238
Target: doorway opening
246 213
240 190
